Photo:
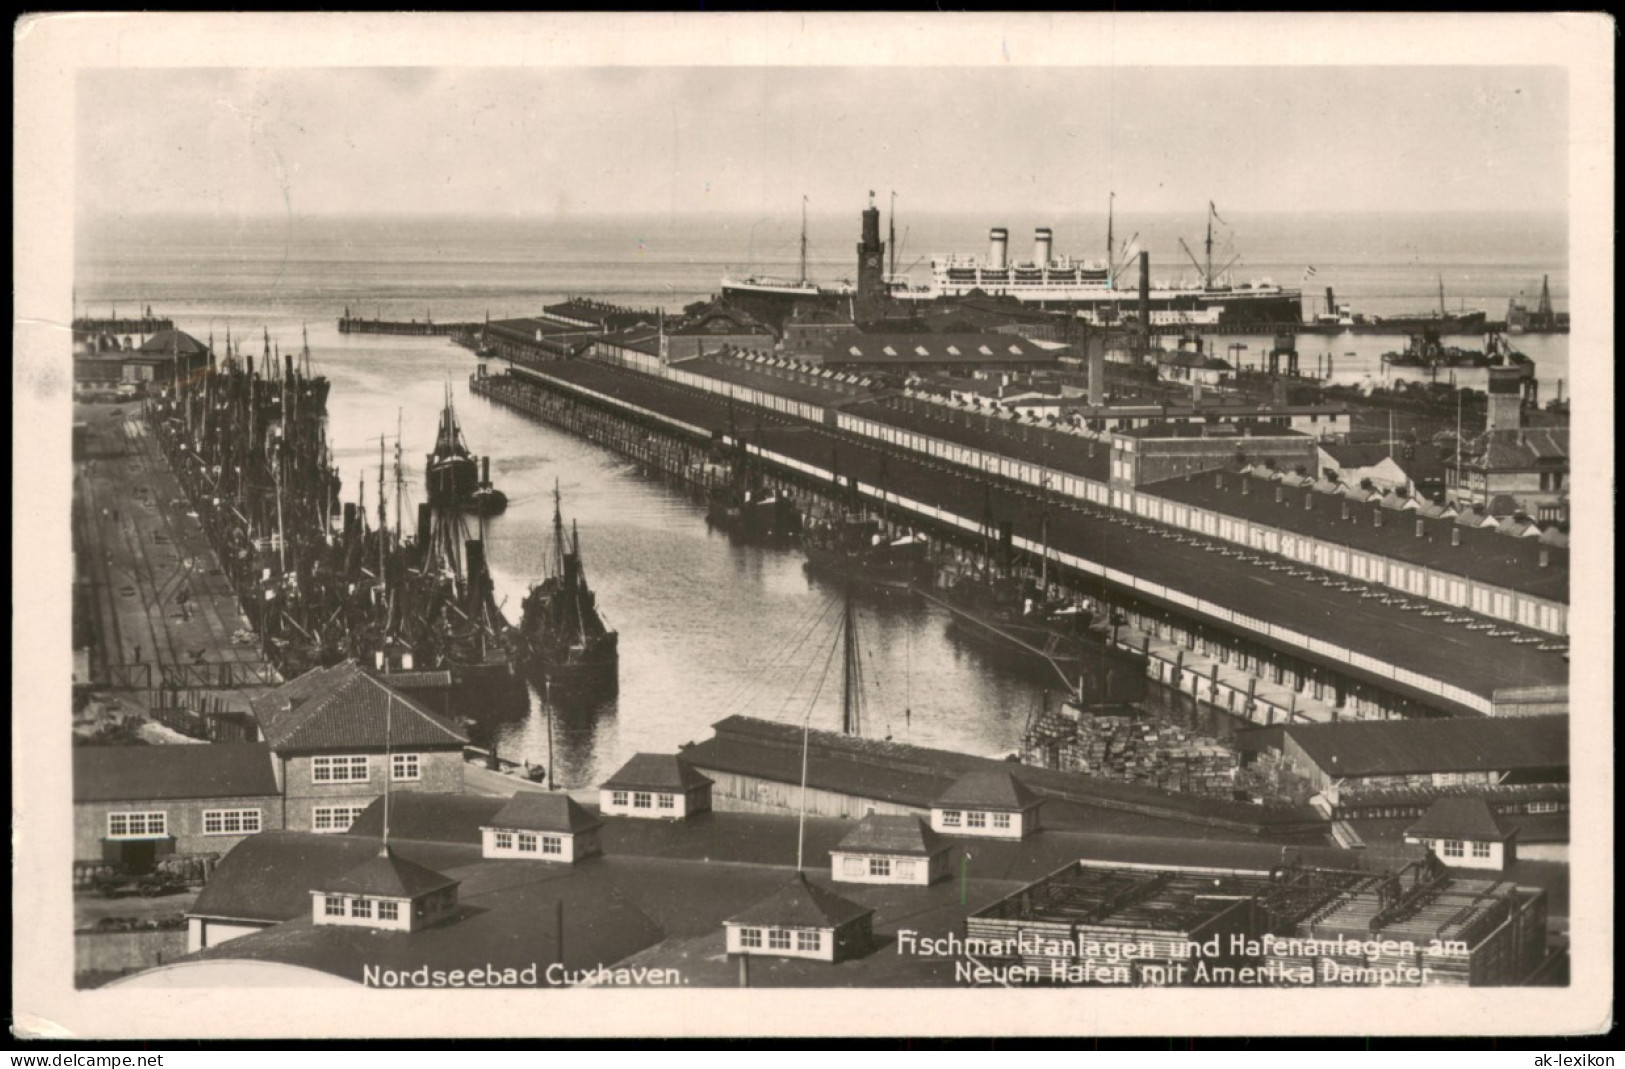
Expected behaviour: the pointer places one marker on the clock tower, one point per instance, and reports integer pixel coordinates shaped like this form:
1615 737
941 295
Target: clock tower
871 260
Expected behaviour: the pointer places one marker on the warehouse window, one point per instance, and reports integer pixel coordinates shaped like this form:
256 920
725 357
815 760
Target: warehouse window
137 825
617 797
750 937
668 802
1001 820
503 840
778 939
552 844
334 818
1452 848
975 820
389 911
527 843
360 907
340 769
642 800
879 866
809 940
231 821
950 818
333 906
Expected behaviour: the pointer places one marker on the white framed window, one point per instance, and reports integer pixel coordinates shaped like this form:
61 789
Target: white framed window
642 800
552 844
950 818
1001 820
668 801
405 766
1481 850
389 911
340 769
852 866
333 906
750 937
502 840
905 869
331 819
1452 848
617 797
145 825
809 940
778 939
880 866
360 907
527 843
231 821
1543 807
975 820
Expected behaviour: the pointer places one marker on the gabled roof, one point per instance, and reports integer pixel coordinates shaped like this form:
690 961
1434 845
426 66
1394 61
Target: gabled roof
1519 449
802 904
986 788
885 833
343 707
1461 818
388 876
158 773
269 876
659 772
543 811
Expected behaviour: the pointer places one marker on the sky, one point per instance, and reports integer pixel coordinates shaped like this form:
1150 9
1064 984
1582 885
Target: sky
755 139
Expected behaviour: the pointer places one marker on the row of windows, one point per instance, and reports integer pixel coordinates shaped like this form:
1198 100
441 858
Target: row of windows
334 818
529 842
335 906
902 868
358 769
643 799
137 825
1456 848
780 938
231 821
952 818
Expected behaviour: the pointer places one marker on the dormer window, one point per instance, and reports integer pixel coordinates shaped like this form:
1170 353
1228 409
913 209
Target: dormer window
921 350
953 350
889 351
984 350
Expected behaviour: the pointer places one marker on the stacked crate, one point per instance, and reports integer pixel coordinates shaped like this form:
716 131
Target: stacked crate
1151 753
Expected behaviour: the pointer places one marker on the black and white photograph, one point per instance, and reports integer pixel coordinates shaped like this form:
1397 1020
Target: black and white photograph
1007 524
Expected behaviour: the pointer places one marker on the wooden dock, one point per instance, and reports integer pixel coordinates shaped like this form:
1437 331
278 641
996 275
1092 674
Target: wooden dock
157 613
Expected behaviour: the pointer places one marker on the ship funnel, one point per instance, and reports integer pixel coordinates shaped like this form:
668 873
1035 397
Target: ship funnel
998 244
1043 240
1331 302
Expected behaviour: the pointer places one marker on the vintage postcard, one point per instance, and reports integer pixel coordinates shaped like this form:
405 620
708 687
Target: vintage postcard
1007 524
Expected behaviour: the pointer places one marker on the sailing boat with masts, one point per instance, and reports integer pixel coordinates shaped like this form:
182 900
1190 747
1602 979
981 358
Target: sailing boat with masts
569 645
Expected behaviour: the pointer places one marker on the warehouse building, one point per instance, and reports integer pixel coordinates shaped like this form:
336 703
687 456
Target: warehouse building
1352 756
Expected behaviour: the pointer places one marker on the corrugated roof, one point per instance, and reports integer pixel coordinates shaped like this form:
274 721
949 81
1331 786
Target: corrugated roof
885 833
343 707
987 788
542 811
802 904
158 773
388 876
657 771
1462 744
1461 818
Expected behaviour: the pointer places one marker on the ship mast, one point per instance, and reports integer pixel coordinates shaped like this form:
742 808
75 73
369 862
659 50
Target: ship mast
1111 264
400 477
1207 274
383 515
891 235
1442 312
803 278
558 533
851 698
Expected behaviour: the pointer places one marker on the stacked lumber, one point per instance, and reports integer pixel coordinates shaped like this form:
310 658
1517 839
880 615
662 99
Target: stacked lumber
1148 752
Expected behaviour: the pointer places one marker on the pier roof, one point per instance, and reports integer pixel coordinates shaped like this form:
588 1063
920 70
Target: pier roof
902 350
1483 555
344 707
160 773
1352 748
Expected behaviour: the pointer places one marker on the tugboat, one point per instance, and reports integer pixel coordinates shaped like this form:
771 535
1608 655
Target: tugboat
569 645
1426 351
458 480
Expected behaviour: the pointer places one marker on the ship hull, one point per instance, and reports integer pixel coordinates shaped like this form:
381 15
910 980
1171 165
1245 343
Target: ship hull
875 571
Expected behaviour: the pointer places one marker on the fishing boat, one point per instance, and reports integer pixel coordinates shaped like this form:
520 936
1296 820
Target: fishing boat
569 645
1425 350
458 479
747 508
854 547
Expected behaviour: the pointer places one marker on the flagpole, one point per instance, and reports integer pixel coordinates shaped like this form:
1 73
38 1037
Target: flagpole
389 770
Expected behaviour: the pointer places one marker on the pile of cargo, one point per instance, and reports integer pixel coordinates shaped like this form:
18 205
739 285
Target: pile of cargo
1139 750
1270 777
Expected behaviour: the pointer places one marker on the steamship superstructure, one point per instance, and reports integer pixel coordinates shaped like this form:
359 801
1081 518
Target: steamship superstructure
1098 287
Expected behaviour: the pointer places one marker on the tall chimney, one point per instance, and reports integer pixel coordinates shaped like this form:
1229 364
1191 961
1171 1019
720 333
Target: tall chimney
1145 290
998 244
1455 535
1043 239
1331 302
1095 343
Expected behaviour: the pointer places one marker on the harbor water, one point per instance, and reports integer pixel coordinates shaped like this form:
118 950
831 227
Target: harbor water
708 628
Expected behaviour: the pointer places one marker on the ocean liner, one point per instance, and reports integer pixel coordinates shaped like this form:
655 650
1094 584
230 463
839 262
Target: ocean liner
1097 287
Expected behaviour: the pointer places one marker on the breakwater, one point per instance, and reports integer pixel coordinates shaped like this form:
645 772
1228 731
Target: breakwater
427 328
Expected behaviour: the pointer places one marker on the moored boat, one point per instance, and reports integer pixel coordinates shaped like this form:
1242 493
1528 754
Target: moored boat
569 644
